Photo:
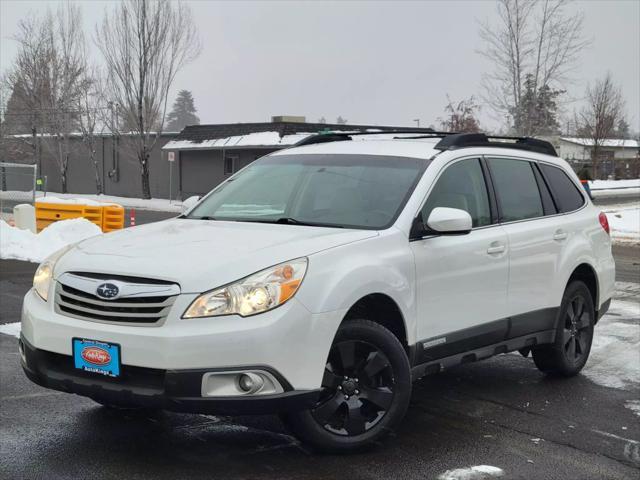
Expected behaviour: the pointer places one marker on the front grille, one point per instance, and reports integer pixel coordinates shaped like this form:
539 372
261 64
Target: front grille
142 307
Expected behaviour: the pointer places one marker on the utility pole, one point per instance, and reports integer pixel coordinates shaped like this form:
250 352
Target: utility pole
417 120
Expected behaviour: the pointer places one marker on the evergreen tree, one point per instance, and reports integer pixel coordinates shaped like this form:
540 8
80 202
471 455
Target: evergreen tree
537 111
622 130
183 112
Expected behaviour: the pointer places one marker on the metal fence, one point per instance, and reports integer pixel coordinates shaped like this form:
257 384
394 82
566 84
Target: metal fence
17 185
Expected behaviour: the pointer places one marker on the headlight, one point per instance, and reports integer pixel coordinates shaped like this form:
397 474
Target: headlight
257 293
44 273
42 280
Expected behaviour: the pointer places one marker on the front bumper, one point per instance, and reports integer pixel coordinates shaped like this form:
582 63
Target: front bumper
289 339
176 390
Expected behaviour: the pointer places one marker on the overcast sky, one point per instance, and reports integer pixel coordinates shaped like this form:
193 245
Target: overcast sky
383 63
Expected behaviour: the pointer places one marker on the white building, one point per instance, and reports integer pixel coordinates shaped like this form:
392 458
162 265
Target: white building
617 156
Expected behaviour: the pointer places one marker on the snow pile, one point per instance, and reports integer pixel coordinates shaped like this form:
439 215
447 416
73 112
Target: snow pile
156 204
614 360
480 472
24 245
624 224
634 406
12 329
615 188
72 201
614 184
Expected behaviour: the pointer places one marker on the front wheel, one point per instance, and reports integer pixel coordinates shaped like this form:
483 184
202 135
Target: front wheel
366 390
574 334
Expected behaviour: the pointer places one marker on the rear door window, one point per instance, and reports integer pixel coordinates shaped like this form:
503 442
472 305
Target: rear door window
567 195
516 189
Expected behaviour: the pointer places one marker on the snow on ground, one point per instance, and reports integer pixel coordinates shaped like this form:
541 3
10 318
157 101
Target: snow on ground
615 188
614 184
11 329
615 353
624 222
72 201
634 406
480 472
19 244
157 204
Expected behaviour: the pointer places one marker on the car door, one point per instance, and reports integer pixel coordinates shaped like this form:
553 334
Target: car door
461 280
536 238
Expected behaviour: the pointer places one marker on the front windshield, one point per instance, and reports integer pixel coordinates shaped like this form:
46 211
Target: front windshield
350 191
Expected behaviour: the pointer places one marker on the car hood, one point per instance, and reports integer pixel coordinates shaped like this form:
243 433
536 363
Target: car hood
200 254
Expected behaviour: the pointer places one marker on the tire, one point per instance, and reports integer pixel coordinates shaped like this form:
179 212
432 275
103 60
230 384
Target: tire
574 334
366 390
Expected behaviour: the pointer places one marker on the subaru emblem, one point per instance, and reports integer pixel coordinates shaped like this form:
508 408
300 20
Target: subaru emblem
107 290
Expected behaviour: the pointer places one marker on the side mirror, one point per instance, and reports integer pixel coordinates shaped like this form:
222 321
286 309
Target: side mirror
189 203
449 221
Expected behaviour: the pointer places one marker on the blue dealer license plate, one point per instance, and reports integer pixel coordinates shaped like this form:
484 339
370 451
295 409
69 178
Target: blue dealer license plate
97 357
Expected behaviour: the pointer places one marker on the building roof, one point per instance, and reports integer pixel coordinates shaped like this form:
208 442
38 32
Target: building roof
265 135
608 143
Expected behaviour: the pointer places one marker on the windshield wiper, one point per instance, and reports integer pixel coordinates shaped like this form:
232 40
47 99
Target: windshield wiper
294 221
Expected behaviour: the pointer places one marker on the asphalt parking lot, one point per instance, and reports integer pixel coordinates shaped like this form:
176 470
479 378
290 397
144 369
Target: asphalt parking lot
501 412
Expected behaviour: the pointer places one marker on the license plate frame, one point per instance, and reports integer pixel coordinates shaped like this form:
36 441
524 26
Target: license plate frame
97 356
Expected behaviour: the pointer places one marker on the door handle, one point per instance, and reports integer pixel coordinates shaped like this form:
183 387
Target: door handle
495 249
560 235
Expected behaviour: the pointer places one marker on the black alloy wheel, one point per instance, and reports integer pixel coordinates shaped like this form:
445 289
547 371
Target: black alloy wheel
358 388
574 334
366 387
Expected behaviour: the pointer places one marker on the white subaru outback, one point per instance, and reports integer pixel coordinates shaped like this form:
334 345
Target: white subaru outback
321 280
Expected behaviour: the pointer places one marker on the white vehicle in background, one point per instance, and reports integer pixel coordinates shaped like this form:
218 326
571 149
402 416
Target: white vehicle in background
321 280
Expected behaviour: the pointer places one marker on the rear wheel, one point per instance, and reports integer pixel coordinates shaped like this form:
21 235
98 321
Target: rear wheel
574 334
366 390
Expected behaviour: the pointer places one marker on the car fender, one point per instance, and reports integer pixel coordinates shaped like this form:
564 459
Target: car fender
339 277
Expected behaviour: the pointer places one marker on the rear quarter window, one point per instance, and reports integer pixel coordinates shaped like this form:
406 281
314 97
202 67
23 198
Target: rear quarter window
568 197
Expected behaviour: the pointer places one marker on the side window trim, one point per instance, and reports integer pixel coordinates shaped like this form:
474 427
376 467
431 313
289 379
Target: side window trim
494 205
542 182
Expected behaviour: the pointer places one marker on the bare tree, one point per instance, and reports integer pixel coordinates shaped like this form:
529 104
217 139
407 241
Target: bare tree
89 117
47 76
144 45
460 116
599 119
535 42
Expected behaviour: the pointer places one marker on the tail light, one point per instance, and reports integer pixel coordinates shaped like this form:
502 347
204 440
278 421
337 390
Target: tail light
604 222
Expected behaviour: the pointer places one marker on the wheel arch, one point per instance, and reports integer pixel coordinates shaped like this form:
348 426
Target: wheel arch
383 310
587 274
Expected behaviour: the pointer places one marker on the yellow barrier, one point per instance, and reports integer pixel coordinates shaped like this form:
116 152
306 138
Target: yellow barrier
107 217
112 218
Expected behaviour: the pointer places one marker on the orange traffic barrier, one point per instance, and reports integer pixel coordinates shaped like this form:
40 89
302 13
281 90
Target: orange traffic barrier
107 217
112 218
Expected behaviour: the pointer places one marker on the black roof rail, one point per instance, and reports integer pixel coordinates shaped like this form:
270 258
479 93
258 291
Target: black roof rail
466 140
334 136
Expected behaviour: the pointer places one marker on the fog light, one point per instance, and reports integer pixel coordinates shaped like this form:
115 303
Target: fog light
250 382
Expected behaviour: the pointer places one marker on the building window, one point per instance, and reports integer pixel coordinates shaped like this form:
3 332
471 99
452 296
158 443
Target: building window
229 164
